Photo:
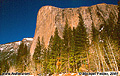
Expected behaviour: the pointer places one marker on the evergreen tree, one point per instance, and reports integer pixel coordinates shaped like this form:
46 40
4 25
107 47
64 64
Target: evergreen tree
49 54
44 57
118 26
95 33
37 54
22 57
13 59
50 43
67 43
26 57
65 34
55 52
117 36
111 32
81 43
4 67
73 50
7 59
107 29
45 62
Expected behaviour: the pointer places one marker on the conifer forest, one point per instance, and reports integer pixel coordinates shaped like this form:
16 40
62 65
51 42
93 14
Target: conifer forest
74 52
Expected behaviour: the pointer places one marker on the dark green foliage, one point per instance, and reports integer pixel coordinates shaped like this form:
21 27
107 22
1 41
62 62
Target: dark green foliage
56 42
109 29
55 52
50 43
49 55
37 56
45 62
4 66
44 57
95 33
69 53
65 34
72 59
10 59
22 58
7 59
67 42
13 59
117 37
118 26
20 51
110 35
37 53
81 43
43 50
81 38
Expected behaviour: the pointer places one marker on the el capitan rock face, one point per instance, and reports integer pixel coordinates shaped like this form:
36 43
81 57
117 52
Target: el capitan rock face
49 17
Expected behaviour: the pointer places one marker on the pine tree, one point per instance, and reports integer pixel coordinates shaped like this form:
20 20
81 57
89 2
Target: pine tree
81 43
26 57
45 62
73 50
20 57
49 54
111 32
4 67
117 36
67 44
6 61
50 43
44 57
65 34
95 33
48 60
118 25
55 52
37 54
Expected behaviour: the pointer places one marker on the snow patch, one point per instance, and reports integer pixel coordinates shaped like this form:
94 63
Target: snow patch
7 44
1 49
27 44
101 41
18 43
101 29
11 50
28 39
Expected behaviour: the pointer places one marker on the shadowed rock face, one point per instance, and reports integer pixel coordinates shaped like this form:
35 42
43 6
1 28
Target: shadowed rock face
49 17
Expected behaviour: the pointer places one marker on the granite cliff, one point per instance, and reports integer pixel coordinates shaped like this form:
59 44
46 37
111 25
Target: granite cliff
50 17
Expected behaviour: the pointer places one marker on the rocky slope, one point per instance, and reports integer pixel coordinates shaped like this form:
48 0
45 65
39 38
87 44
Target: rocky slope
13 46
8 52
49 17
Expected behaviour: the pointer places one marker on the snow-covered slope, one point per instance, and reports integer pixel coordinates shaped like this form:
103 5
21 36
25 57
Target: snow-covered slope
13 46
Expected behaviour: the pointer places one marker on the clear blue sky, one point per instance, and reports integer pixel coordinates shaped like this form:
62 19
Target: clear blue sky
18 17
